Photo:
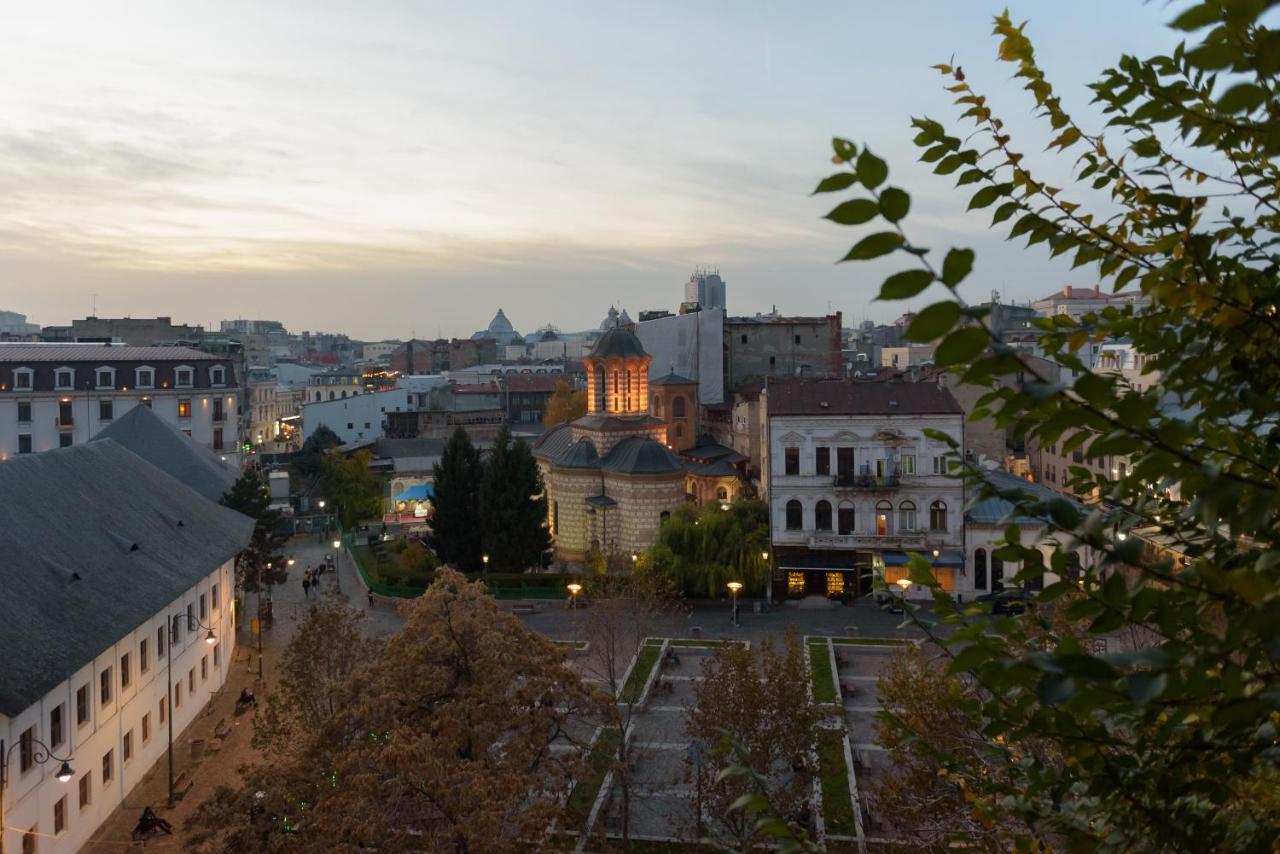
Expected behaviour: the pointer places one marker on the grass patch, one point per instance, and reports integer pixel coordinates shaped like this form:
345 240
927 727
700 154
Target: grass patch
837 803
583 796
713 644
824 686
871 641
645 660
653 642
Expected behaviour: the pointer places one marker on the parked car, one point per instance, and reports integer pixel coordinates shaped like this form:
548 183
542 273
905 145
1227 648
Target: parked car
1010 600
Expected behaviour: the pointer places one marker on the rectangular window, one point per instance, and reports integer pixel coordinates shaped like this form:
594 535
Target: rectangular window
64 440
24 443
204 668
191 616
60 815
822 461
880 467
844 463
182 377
217 438
82 704
191 680
217 659
86 789
146 378
160 641
29 840
106 378
24 412
218 413
184 407
65 416
63 379
56 729
22 380
204 606
146 727
164 707
27 749
908 463
104 693
108 766
128 745
125 675
177 694
106 410
792 457
214 597
144 659
940 464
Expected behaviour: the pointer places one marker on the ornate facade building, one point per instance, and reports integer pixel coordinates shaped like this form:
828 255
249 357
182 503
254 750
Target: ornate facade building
610 476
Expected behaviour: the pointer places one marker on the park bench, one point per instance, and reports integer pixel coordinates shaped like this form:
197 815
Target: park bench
523 609
182 784
848 688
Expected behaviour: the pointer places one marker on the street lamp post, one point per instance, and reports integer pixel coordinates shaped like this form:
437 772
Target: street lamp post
168 650
485 560
768 581
40 753
337 576
574 589
734 587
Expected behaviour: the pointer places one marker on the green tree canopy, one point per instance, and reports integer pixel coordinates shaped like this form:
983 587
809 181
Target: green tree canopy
1171 745
355 493
308 460
455 525
262 562
702 549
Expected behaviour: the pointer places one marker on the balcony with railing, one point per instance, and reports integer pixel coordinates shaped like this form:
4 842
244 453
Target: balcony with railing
908 540
67 423
865 479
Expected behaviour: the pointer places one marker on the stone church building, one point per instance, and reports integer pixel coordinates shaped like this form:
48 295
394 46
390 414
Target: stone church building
612 476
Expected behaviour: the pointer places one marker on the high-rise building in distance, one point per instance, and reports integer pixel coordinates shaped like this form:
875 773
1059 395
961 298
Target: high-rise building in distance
706 288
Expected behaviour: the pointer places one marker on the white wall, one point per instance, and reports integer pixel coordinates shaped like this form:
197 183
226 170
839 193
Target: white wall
354 418
690 344
30 797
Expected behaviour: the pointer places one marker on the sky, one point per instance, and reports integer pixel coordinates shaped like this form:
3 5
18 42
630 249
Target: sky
389 169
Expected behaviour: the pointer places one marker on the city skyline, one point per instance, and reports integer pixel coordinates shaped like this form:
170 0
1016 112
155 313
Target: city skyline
360 170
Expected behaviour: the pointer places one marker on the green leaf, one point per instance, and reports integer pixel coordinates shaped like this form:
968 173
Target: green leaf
970 657
956 266
1196 17
1242 98
933 322
934 153
871 169
894 203
984 197
905 285
949 164
1005 211
961 346
836 182
1054 689
844 149
854 212
874 245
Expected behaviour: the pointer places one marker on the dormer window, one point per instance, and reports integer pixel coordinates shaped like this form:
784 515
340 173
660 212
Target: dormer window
64 379
23 379
217 376
183 376
105 378
145 377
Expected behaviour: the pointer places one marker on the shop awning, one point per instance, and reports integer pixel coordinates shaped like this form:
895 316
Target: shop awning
420 492
946 557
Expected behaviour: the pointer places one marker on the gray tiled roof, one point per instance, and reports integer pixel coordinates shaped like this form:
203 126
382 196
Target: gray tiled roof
641 455
101 353
167 448
997 510
554 442
97 541
618 344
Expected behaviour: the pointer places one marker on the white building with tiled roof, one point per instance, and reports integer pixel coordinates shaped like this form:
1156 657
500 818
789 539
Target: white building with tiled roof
59 395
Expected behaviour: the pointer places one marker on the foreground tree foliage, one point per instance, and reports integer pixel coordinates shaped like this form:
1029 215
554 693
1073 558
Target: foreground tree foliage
439 742
565 404
513 507
455 536
753 713
1174 746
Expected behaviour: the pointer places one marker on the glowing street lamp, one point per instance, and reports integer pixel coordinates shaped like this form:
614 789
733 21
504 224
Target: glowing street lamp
734 587
574 589
337 575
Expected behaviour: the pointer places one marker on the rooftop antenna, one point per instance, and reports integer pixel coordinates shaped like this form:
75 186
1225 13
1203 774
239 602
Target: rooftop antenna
94 312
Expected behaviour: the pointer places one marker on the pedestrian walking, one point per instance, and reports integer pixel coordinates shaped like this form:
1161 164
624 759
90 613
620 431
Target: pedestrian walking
370 598
306 587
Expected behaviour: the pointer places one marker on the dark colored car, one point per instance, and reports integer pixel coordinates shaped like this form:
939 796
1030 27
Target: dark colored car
1011 600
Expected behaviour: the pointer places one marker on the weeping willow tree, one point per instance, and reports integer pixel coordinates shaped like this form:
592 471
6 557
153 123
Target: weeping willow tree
700 550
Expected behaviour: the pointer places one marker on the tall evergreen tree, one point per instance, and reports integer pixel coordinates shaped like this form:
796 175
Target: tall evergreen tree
513 507
456 528
262 562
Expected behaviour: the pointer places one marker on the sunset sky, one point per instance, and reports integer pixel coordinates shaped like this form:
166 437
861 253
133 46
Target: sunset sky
395 168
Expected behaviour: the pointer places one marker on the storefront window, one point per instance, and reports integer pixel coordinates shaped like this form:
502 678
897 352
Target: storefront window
795 583
835 583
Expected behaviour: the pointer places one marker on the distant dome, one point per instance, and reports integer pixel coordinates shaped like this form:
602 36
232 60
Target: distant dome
618 343
500 323
624 319
613 320
499 329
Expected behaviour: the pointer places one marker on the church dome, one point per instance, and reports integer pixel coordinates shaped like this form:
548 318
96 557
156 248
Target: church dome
500 323
618 343
581 455
641 455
